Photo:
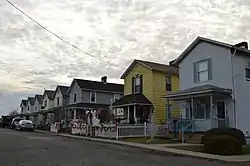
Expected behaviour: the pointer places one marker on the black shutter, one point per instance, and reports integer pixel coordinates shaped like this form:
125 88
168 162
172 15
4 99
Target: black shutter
133 84
141 84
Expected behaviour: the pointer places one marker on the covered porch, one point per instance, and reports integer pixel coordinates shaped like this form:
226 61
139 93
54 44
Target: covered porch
204 107
132 109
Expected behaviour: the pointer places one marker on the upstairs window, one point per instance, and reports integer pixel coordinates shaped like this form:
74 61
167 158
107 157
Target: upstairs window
28 108
168 84
93 97
202 70
116 97
137 84
45 103
74 97
58 101
22 110
247 70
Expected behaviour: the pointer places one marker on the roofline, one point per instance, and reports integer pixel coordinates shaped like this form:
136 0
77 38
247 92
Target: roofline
130 66
197 40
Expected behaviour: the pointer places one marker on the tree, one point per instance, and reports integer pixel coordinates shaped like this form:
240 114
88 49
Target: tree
13 113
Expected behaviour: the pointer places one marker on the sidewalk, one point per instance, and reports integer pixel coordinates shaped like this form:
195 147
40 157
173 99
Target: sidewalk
161 148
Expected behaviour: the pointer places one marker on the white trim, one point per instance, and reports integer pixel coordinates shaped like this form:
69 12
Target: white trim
130 105
90 95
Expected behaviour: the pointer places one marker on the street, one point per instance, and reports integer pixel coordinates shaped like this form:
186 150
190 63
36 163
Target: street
36 149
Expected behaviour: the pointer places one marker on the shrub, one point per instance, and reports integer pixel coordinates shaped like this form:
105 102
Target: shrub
222 145
236 133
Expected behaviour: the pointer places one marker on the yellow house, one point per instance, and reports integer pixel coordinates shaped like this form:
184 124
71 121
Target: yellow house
145 84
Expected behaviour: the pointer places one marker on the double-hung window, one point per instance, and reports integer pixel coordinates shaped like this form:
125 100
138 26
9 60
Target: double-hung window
247 70
202 70
168 84
137 84
93 97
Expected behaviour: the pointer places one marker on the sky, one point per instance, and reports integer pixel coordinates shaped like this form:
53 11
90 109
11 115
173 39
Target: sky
114 31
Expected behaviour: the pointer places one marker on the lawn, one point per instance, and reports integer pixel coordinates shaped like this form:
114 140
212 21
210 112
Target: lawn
198 148
147 140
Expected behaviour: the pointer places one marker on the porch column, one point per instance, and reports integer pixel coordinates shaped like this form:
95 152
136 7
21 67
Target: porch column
192 111
128 115
135 114
74 114
211 111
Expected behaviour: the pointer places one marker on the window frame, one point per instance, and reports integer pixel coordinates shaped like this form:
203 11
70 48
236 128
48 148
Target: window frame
74 98
90 97
167 84
115 96
247 69
204 110
202 71
137 88
58 101
45 103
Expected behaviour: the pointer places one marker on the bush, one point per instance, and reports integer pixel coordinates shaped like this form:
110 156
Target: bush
222 145
236 133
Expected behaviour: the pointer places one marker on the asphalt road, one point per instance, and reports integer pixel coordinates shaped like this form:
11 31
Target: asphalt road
35 149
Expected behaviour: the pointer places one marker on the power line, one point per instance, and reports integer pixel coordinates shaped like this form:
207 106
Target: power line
72 45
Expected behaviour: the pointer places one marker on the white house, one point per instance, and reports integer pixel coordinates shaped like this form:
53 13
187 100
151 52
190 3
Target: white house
214 85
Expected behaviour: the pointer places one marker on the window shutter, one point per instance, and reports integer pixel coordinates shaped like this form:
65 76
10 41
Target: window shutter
133 84
195 72
209 69
141 83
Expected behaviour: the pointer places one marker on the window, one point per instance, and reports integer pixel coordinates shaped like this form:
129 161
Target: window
36 108
200 111
28 108
116 97
74 97
92 97
58 101
168 84
248 73
202 71
137 84
22 110
45 103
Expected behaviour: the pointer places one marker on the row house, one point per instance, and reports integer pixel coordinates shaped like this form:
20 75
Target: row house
214 85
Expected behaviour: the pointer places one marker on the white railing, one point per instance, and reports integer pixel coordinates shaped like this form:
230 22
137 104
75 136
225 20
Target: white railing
117 131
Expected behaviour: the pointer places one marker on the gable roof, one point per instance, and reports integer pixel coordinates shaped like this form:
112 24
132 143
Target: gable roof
63 90
203 39
50 94
24 102
31 100
168 69
96 85
39 98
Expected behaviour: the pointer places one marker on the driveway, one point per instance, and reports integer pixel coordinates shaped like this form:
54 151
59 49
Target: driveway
35 149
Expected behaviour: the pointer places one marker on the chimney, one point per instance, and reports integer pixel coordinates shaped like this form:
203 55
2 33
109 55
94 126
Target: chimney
242 45
104 79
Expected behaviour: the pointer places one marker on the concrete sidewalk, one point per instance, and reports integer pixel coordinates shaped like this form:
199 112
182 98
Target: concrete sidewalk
161 148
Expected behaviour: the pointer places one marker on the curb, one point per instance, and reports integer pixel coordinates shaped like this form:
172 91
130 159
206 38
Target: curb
150 149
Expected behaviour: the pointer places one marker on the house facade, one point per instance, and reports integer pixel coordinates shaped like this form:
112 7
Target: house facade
86 95
214 85
145 84
48 99
38 103
23 106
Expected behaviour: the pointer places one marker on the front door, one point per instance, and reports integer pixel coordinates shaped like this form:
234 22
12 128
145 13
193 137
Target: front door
221 114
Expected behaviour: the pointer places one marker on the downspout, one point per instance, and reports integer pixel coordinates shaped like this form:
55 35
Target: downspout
233 87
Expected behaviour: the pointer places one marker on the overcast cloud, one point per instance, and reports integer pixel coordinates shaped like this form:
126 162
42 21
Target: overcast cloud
116 31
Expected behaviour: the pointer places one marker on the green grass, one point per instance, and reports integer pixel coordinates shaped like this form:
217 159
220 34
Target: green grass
199 148
143 140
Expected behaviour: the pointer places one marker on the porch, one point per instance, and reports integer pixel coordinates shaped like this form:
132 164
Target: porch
132 109
204 107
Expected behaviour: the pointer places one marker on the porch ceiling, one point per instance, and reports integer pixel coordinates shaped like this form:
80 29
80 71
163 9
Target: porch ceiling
197 91
132 99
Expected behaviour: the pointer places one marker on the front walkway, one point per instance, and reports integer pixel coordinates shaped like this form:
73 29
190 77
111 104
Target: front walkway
161 148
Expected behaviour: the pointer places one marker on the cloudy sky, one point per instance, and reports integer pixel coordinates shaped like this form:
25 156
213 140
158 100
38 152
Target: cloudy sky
115 31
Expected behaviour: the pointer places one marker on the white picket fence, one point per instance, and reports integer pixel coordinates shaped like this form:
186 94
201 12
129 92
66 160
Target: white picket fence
116 131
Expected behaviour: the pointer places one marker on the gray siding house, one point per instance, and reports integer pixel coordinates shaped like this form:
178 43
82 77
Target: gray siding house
214 85
23 106
91 95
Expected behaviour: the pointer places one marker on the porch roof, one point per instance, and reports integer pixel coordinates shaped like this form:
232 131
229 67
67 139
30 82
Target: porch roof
198 90
87 105
132 99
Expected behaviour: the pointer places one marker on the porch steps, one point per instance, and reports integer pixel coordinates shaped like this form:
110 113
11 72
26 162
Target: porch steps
193 137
